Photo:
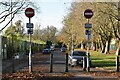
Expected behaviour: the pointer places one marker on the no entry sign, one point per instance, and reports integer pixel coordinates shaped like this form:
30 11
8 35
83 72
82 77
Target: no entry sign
29 12
88 13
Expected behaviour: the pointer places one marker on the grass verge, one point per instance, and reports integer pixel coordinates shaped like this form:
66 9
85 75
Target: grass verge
103 60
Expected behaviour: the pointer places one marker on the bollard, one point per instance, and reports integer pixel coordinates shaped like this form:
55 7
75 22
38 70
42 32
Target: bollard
51 63
88 62
84 64
117 63
66 70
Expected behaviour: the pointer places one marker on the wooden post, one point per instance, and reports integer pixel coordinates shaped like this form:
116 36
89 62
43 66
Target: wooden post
51 63
117 63
66 70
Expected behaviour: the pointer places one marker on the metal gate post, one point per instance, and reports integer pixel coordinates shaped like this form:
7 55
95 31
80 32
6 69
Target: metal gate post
51 63
84 64
117 63
66 70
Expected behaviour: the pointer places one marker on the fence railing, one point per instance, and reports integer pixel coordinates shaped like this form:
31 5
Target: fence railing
8 48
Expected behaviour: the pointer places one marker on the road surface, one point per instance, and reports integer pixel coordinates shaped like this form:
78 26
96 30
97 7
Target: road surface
41 65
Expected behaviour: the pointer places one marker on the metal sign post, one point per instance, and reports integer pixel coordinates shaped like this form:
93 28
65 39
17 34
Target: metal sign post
88 14
88 52
30 52
29 12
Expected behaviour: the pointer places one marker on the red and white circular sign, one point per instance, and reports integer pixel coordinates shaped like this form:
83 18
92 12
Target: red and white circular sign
88 13
29 12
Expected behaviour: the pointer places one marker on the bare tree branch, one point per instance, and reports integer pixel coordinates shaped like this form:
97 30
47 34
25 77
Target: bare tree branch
5 3
12 17
5 11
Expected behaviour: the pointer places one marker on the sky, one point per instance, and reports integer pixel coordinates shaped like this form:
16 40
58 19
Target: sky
51 13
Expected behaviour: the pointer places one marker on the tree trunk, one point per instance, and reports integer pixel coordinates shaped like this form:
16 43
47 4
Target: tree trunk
107 48
103 45
94 46
68 46
82 46
99 45
103 49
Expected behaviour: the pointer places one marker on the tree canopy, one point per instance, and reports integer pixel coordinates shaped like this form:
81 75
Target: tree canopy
104 23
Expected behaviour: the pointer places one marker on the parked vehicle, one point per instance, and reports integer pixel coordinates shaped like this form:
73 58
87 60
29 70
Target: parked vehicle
52 48
76 58
16 56
63 49
46 51
19 56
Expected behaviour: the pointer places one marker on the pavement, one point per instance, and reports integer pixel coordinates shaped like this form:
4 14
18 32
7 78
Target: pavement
79 78
41 65
7 65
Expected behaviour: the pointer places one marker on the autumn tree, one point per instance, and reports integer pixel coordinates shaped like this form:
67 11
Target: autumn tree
14 34
108 27
16 30
45 34
73 28
104 23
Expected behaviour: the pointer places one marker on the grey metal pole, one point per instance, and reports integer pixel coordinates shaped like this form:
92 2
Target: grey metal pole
117 57
72 45
72 42
30 54
84 64
117 63
51 63
66 70
88 53
88 63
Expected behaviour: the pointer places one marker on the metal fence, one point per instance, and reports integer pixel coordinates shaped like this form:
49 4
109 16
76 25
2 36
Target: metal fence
10 47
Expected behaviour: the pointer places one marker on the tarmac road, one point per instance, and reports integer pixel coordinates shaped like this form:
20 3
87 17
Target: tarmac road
58 62
44 60
41 63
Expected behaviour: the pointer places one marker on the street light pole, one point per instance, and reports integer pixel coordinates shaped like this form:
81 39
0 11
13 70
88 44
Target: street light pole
72 45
